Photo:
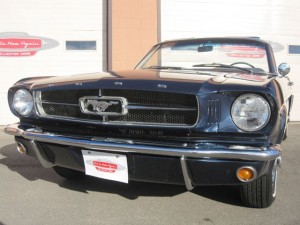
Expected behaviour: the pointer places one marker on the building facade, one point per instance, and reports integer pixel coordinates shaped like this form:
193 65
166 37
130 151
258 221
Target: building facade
55 38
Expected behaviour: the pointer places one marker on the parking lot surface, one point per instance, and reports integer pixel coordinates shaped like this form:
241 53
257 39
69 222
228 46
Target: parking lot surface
30 194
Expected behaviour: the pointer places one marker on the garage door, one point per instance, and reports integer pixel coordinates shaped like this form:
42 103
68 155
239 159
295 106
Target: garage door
55 37
272 20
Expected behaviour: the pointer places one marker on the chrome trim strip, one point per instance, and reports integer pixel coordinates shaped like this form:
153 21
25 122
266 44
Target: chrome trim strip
56 103
221 153
186 174
37 99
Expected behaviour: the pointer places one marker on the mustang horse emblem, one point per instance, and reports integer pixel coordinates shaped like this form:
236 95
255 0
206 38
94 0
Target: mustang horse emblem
99 106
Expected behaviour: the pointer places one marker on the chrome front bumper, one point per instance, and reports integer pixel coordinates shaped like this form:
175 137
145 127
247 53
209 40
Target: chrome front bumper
127 146
117 145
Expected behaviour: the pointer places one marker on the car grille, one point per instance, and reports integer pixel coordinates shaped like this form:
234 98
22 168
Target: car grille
144 107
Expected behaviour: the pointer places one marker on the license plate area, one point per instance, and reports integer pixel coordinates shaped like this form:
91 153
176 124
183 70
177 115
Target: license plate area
110 166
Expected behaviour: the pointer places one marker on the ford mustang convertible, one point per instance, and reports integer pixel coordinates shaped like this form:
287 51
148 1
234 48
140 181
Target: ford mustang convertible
194 112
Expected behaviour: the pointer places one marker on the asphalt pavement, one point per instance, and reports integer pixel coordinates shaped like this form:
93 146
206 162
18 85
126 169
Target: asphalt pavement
30 194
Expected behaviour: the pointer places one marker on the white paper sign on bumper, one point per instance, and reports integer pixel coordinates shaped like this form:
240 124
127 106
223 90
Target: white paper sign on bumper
106 165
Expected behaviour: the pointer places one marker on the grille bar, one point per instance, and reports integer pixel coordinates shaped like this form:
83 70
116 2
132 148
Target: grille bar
160 108
145 108
56 103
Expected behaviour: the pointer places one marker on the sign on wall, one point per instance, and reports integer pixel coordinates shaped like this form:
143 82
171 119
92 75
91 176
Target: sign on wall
21 44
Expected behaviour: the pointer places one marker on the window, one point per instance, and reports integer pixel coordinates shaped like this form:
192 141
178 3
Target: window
294 49
81 45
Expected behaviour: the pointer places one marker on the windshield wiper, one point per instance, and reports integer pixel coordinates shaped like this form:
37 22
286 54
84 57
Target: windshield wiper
266 73
164 67
222 65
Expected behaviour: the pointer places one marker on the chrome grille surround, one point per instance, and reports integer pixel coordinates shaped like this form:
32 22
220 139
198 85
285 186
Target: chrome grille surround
143 108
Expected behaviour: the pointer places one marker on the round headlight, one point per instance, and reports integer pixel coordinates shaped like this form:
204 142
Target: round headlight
23 102
250 112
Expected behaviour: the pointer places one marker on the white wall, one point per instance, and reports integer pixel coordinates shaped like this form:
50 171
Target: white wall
273 20
59 20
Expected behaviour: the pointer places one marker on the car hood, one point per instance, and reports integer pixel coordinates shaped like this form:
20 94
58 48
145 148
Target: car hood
170 81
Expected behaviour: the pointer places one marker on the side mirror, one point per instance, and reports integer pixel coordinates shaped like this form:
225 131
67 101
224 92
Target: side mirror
284 69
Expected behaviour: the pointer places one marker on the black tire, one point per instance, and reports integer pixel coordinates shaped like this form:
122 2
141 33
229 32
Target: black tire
261 193
69 173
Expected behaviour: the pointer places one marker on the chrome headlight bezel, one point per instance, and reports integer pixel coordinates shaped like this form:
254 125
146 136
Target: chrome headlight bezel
257 107
22 102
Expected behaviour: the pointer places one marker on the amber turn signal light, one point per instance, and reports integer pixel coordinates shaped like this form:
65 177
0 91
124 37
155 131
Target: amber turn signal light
21 148
246 174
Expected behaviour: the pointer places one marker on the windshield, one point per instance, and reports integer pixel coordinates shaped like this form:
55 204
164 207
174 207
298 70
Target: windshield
208 55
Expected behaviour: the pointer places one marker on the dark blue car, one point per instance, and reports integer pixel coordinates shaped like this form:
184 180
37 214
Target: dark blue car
209 111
